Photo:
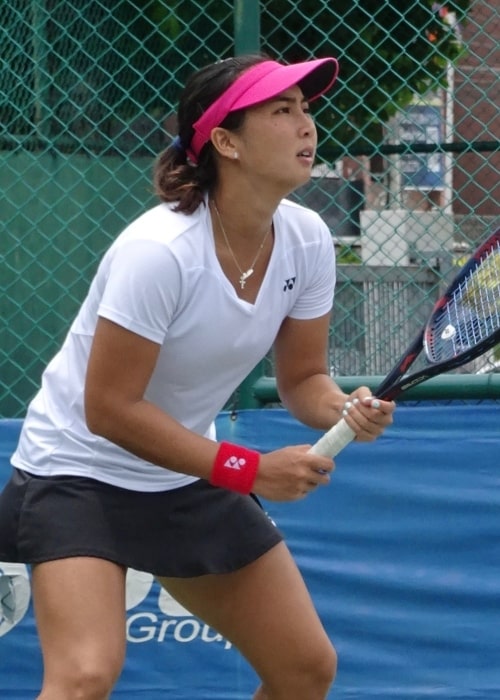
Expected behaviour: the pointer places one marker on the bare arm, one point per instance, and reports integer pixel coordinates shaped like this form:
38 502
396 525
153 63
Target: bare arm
120 367
307 390
304 383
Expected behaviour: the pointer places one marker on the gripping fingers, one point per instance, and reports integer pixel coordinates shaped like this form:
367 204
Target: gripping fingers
338 437
367 417
370 401
318 477
369 408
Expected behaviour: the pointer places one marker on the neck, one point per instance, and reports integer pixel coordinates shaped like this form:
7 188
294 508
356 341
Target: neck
238 230
239 251
245 217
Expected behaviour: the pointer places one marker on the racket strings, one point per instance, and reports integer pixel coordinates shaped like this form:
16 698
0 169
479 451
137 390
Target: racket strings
472 313
480 291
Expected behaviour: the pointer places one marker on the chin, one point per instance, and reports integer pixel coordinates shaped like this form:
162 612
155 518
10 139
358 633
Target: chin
298 182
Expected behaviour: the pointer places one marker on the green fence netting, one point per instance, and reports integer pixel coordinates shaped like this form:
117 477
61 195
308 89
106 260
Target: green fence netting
407 176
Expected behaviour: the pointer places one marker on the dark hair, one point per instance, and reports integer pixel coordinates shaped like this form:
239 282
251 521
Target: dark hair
176 179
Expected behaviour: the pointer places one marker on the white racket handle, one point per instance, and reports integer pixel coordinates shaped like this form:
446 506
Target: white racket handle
333 441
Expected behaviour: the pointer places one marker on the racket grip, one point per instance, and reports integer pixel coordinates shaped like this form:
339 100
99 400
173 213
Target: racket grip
333 441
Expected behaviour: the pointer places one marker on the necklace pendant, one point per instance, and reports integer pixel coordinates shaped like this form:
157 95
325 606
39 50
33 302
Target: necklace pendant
244 276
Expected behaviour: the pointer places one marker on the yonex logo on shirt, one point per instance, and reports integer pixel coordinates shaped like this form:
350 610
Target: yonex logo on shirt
289 284
235 463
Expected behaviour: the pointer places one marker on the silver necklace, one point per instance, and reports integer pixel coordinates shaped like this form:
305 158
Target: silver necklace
244 274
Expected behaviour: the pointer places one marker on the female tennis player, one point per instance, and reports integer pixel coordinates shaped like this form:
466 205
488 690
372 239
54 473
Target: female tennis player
118 464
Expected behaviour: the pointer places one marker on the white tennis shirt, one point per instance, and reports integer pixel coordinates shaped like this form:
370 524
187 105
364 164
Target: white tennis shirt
161 279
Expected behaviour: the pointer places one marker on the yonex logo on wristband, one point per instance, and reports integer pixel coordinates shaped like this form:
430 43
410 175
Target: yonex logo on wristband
235 463
235 467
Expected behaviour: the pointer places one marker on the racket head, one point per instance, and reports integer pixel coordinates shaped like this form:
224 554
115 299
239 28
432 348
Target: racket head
465 321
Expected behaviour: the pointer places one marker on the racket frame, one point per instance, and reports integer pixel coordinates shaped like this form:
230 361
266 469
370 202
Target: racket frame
390 387
397 380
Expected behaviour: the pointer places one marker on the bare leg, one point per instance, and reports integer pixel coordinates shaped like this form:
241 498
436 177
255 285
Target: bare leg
265 610
80 613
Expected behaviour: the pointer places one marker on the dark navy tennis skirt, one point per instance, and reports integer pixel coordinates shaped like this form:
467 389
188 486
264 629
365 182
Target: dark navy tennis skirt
190 531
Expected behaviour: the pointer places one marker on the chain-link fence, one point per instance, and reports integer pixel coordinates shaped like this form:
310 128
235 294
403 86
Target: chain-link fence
408 176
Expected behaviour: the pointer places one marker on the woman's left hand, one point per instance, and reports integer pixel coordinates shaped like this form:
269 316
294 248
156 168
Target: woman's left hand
366 415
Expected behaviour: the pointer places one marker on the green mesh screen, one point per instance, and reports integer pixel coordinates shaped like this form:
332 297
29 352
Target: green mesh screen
407 176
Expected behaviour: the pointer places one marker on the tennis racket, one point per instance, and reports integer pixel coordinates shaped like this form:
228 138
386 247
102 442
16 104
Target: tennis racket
464 323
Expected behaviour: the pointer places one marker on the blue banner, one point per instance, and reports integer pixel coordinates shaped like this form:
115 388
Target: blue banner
400 553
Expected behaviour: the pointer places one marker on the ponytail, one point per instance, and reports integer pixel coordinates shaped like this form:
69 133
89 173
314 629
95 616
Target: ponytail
176 179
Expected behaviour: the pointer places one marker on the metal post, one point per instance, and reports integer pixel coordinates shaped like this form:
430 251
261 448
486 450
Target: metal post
246 393
247 40
40 76
246 26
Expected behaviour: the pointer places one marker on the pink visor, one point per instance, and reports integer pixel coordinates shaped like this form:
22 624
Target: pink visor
260 83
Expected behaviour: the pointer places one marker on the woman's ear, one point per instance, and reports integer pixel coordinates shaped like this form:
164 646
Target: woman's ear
223 142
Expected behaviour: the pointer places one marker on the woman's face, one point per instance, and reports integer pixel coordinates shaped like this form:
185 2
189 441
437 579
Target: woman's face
277 142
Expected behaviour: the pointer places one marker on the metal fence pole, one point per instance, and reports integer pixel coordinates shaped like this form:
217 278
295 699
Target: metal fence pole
246 26
247 40
40 75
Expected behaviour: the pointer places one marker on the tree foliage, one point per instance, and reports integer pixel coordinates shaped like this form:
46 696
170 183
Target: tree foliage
389 51
88 68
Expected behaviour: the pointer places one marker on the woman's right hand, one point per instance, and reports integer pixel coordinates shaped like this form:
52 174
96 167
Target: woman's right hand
291 473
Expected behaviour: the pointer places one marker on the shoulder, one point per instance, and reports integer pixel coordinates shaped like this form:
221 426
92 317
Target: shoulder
303 228
305 237
157 242
161 224
300 218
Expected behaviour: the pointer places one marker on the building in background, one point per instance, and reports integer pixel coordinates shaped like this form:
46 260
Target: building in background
476 174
